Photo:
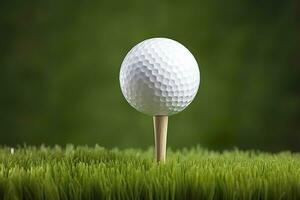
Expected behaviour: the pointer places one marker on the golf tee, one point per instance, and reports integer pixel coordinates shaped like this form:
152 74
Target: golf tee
160 123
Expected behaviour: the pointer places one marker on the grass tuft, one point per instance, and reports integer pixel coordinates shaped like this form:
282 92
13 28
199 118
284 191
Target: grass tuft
98 173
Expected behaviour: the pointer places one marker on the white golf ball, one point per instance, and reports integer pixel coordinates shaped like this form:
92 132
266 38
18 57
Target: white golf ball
159 76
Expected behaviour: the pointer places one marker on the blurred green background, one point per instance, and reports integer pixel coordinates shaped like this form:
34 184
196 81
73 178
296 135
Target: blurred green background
60 61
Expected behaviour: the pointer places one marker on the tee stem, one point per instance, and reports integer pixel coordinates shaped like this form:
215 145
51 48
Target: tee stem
160 123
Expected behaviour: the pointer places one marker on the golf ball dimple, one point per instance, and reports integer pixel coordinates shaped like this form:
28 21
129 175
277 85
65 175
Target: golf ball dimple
159 76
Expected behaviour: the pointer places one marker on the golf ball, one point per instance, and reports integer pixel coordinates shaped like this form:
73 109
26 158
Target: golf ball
159 76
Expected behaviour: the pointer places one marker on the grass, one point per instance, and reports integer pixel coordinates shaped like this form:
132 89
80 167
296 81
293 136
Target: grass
98 173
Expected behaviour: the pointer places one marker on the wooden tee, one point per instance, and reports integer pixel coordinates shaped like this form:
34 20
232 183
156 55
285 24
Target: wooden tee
160 123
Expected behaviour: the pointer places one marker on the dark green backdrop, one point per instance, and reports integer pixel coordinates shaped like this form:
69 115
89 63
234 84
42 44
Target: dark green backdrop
60 61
